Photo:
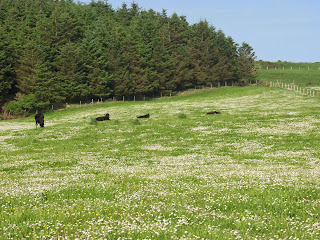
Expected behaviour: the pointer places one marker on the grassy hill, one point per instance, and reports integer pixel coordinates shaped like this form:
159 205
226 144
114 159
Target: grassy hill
251 172
301 74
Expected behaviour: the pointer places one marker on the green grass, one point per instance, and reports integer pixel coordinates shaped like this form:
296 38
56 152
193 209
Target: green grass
301 74
251 172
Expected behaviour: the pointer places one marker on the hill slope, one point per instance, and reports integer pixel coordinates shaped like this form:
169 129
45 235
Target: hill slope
301 74
250 172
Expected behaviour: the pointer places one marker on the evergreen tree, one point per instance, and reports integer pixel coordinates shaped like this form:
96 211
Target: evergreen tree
246 64
47 89
7 75
70 73
26 66
95 66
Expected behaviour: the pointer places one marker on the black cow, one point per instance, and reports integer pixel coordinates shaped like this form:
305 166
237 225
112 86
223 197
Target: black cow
106 117
39 119
144 116
214 112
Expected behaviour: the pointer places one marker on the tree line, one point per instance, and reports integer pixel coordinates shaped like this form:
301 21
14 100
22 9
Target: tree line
52 52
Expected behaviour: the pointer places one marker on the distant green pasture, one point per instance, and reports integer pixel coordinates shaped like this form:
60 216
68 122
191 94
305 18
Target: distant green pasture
301 74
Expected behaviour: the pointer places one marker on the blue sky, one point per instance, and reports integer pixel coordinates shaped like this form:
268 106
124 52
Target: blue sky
287 30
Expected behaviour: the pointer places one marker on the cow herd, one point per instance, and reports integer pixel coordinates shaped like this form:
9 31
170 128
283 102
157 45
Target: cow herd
39 117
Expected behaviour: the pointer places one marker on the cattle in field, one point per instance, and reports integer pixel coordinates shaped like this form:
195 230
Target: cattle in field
39 117
144 116
214 112
106 117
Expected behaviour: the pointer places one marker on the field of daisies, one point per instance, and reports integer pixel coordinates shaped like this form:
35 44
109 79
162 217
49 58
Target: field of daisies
251 172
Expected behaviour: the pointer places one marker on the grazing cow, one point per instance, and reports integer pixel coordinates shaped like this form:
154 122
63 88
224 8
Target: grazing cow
106 117
39 119
144 116
214 112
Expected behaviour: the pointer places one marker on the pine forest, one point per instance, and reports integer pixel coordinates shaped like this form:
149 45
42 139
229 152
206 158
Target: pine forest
53 52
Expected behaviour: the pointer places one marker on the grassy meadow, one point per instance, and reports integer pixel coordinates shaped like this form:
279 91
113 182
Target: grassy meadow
252 172
301 74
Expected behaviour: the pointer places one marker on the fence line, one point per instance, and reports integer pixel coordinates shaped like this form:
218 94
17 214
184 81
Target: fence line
143 97
286 68
295 88
290 86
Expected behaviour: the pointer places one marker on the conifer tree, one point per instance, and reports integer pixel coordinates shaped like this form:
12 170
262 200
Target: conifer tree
246 64
7 75
95 66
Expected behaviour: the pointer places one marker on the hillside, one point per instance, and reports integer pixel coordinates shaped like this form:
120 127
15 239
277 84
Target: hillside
301 74
251 172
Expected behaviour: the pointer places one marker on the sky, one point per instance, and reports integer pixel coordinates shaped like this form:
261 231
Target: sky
286 30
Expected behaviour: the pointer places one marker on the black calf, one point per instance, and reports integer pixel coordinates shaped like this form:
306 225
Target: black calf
106 117
214 112
39 119
144 116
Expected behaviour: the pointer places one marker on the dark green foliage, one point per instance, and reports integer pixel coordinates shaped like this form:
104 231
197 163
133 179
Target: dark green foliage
63 51
246 64
7 75
24 104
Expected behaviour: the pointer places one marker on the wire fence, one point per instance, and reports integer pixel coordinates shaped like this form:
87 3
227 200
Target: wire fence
288 68
134 98
313 92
